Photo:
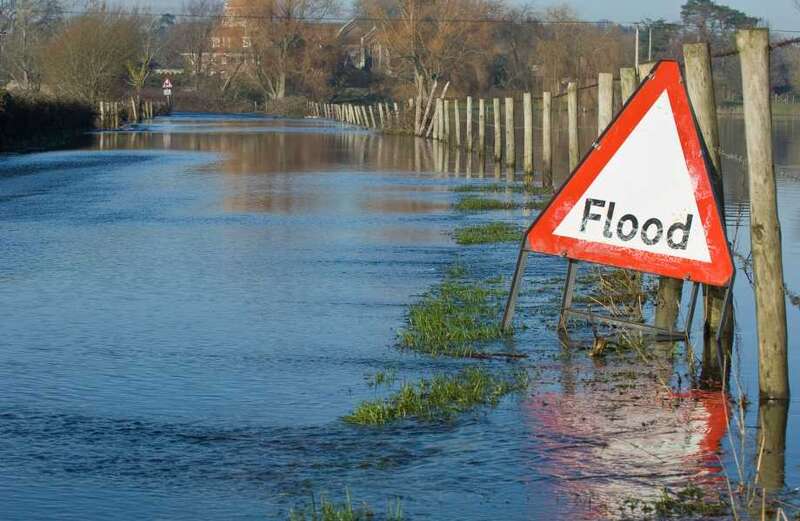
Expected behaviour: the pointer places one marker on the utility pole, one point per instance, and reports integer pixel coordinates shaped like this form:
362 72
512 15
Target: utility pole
649 44
636 63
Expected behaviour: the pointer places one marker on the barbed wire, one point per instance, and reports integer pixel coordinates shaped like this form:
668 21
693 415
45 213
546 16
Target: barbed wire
772 47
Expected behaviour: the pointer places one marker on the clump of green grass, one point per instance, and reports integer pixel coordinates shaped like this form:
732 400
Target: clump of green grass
689 501
440 398
380 378
325 510
451 319
482 204
518 188
488 233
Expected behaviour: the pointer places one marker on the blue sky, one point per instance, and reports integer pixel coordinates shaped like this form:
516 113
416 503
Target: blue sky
781 14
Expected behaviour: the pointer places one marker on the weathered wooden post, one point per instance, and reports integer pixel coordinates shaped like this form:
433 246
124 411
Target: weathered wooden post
481 128
547 141
498 137
446 115
627 79
439 121
572 116
372 117
605 100
644 70
457 124
418 124
511 157
380 116
365 115
527 109
468 136
765 230
700 86
102 114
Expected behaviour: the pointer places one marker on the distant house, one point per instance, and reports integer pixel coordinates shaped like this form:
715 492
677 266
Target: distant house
231 40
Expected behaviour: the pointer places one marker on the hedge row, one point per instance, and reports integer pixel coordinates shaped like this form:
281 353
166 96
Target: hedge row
31 121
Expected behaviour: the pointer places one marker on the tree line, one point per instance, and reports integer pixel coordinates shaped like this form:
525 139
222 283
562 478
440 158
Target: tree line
313 48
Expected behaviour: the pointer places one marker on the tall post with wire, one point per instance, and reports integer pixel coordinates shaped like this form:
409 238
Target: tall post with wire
765 230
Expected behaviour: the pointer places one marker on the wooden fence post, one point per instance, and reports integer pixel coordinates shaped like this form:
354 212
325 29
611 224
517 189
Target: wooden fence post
765 230
498 137
605 100
547 141
481 128
627 79
468 136
644 70
511 156
572 115
457 123
527 109
372 117
700 85
439 126
446 115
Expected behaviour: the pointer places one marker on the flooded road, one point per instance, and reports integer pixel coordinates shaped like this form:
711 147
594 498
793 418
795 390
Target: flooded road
189 309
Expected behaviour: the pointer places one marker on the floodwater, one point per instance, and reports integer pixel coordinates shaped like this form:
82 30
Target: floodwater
190 307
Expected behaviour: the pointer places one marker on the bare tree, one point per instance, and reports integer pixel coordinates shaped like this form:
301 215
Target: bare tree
433 40
26 26
140 66
286 39
192 35
86 60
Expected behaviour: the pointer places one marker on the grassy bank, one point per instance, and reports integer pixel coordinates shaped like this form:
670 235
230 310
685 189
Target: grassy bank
38 122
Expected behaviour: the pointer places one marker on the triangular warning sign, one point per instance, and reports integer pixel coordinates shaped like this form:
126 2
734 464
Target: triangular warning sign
642 198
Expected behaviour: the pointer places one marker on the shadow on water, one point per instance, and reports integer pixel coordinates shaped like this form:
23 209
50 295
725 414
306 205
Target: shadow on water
194 303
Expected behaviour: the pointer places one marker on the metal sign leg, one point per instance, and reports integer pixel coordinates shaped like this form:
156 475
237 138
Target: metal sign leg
566 299
511 304
687 327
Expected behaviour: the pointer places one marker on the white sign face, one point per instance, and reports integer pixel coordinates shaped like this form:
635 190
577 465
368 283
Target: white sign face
654 210
167 92
167 84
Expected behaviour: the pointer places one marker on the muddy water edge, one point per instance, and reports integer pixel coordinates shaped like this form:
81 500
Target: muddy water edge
192 307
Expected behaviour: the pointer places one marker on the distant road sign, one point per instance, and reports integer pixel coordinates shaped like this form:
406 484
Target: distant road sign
167 84
167 92
642 198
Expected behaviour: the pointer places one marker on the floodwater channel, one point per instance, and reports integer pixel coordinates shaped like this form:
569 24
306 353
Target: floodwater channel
190 306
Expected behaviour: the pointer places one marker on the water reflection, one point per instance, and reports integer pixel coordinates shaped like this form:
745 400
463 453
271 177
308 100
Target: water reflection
602 445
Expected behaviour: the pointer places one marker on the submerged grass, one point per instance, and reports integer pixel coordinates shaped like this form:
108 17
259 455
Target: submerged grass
450 319
472 203
325 510
488 233
440 398
519 188
478 204
688 502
